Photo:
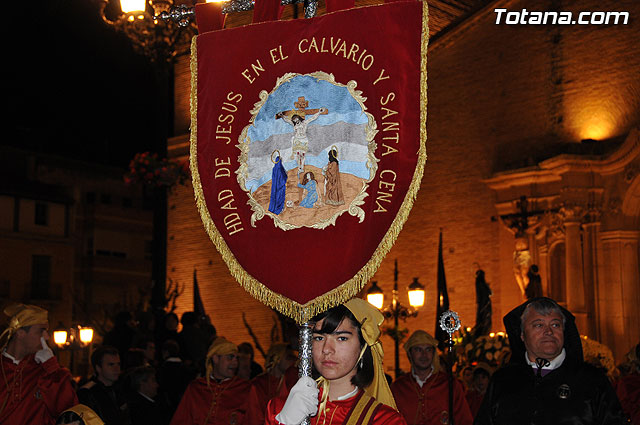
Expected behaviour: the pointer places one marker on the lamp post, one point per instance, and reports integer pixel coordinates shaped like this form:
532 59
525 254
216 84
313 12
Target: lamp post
148 24
148 21
157 32
396 310
72 339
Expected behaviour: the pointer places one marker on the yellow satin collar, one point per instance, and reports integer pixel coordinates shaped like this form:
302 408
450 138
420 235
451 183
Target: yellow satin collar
370 320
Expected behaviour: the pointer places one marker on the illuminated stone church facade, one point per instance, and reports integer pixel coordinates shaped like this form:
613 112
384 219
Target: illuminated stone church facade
533 158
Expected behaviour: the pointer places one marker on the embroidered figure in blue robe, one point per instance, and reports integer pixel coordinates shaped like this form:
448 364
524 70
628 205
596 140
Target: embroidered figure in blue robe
310 185
278 184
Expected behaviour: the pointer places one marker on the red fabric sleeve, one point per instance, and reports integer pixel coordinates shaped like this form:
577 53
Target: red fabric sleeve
58 393
255 408
182 414
460 406
628 390
385 415
273 408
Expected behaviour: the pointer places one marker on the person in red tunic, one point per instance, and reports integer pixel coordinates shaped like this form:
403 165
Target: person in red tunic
347 357
479 383
34 388
221 397
423 394
628 386
271 383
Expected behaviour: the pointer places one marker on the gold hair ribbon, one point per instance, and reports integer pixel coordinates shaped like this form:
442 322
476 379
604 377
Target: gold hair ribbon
421 337
219 347
370 320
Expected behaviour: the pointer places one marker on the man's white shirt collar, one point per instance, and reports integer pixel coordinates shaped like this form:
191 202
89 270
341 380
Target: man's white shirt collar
10 357
554 364
420 381
147 397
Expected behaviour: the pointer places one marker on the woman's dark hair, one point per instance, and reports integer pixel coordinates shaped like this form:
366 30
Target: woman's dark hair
332 319
333 156
69 417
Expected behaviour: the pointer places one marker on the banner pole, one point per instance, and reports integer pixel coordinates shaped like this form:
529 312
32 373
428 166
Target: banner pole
304 354
450 322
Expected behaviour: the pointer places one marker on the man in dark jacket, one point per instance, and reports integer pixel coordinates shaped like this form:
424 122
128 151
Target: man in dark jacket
547 380
144 405
103 393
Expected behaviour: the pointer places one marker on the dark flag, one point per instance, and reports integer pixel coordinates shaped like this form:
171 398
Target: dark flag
198 307
443 297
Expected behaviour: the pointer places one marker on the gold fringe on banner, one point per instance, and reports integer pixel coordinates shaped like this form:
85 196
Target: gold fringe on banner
303 312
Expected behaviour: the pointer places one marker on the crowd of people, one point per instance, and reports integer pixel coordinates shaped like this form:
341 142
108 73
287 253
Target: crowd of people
198 377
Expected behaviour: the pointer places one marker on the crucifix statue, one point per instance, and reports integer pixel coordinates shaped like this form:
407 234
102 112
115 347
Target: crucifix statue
300 118
523 223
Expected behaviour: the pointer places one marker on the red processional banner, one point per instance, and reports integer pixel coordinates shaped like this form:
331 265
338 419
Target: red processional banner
308 148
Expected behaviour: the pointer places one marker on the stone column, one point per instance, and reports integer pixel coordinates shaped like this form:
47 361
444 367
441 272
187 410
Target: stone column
590 257
573 250
618 291
543 255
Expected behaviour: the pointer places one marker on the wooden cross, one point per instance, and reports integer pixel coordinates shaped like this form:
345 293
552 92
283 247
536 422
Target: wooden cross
301 109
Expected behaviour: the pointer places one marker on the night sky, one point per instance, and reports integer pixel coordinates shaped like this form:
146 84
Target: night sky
75 87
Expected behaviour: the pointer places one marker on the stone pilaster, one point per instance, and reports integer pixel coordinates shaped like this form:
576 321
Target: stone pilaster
618 291
576 299
590 249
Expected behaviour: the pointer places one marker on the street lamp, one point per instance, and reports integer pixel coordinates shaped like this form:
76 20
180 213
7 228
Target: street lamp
86 335
72 339
160 30
375 296
149 27
395 310
164 21
60 336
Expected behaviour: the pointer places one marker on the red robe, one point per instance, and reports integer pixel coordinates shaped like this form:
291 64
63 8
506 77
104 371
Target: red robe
429 405
264 387
628 390
337 411
474 400
35 394
225 403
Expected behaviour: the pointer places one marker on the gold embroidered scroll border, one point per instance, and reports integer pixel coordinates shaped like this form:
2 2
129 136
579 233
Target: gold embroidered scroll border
303 312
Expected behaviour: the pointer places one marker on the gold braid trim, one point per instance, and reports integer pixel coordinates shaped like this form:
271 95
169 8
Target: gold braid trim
301 313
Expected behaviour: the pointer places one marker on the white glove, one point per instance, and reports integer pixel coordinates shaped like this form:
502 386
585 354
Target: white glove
44 354
301 402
